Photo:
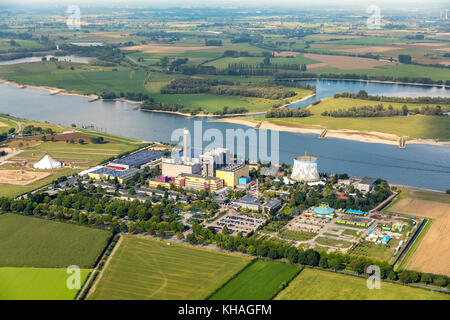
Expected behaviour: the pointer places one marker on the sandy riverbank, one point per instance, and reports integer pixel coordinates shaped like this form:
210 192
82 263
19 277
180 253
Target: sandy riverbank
368 137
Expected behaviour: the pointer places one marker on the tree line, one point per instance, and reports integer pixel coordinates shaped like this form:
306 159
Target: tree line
380 111
288 113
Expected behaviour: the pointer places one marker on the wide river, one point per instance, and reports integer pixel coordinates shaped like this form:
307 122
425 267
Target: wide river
424 166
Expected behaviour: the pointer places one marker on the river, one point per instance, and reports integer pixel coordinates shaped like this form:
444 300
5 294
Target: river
424 166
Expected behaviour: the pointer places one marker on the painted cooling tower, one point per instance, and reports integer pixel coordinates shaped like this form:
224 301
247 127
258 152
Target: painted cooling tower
305 169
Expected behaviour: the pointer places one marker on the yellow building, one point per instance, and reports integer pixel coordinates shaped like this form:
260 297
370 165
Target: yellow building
231 173
198 182
253 166
155 184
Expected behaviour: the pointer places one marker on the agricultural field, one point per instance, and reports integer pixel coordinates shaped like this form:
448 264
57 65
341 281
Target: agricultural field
412 127
260 280
151 269
37 284
429 253
34 242
313 284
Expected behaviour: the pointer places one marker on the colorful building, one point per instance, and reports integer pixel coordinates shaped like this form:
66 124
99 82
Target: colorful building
198 182
231 173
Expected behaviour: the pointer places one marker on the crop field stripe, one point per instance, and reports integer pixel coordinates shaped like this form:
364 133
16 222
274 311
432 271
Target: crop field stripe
35 242
36 283
315 284
260 280
150 269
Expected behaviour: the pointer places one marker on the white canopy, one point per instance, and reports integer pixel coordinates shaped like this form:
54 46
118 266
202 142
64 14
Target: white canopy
47 162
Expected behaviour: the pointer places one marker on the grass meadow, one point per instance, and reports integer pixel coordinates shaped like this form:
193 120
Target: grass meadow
313 284
260 280
37 284
145 269
35 242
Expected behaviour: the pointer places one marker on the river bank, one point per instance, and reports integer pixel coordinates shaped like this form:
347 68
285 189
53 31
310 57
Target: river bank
355 135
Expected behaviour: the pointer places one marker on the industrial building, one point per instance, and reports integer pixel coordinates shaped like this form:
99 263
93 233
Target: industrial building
231 173
135 160
198 182
305 169
105 173
248 203
366 184
272 206
214 159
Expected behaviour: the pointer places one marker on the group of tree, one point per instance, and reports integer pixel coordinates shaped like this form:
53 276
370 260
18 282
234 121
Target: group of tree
288 113
224 87
362 94
228 110
32 130
92 206
380 111
163 106
213 43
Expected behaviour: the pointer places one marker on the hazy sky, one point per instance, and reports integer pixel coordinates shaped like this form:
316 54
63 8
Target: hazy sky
235 3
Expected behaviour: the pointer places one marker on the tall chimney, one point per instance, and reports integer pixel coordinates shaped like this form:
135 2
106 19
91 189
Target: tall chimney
185 151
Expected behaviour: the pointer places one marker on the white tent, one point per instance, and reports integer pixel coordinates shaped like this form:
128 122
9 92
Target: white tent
47 162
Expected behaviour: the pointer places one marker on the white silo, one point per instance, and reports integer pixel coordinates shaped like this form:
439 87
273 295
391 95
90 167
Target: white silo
305 169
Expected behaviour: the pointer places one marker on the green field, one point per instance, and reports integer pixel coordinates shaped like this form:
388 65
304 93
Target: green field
144 269
260 280
413 127
297 235
85 79
36 284
34 242
396 71
313 284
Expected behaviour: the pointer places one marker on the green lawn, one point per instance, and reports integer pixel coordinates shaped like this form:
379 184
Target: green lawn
313 284
333 242
37 284
34 242
260 280
413 127
398 70
144 269
84 78
297 235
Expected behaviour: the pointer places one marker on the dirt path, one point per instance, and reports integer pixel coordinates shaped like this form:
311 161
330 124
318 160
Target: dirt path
97 281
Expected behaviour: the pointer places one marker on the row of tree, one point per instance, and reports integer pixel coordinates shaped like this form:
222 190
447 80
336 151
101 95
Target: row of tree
380 111
288 113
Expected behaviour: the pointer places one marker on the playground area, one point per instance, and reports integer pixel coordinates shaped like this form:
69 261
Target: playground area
21 177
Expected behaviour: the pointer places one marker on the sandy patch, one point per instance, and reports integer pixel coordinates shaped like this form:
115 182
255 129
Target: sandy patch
366 49
432 254
345 62
149 48
17 177
2 125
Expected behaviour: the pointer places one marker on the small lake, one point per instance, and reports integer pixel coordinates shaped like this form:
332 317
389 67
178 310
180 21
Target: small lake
75 59
424 166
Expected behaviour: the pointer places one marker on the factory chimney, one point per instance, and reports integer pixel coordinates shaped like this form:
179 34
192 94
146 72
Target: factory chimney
185 150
